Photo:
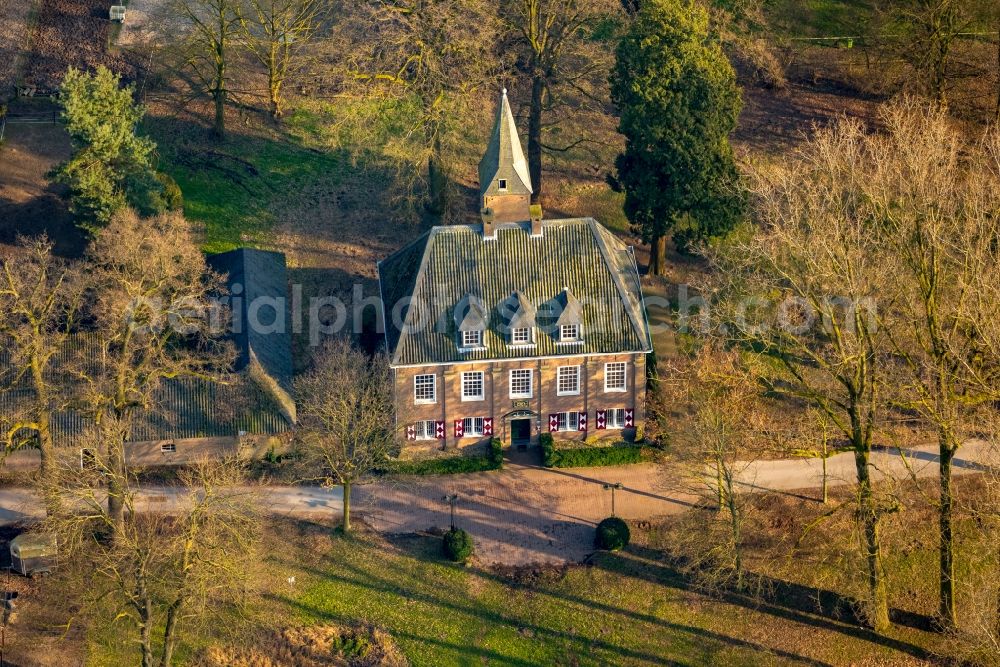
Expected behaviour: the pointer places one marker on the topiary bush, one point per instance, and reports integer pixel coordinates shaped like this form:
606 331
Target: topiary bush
457 545
612 534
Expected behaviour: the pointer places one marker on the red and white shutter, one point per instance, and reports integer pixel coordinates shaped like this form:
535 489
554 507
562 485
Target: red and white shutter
602 419
582 422
411 432
629 420
439 430
553 422
487 425
459 428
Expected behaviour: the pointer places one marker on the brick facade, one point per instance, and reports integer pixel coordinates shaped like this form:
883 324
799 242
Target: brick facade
498 405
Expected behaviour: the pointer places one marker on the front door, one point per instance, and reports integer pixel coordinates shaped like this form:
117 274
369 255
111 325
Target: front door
520 432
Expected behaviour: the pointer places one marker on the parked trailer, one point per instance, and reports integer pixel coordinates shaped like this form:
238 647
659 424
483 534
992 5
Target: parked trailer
33 553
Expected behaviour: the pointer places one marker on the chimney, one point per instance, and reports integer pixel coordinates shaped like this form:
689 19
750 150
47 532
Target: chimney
536 219
489 224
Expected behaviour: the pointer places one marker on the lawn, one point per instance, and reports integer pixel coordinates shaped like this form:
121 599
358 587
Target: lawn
628 608
233 188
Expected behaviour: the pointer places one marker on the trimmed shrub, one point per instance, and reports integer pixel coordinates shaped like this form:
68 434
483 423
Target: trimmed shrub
612 534
548 450
173 198
457 545
496 453
451 465
582 457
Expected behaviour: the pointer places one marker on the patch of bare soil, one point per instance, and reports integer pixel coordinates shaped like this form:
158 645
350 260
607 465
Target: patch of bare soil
15 17
773 121
317 646
30 204
70 33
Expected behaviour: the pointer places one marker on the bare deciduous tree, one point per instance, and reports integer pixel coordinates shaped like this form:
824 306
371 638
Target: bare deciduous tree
939 208
152 322
720 432
159 570
39 297
346 414
427 58
280 34
214 25
560 52
803 289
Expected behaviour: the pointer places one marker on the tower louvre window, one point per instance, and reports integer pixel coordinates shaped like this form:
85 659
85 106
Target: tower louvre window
503 184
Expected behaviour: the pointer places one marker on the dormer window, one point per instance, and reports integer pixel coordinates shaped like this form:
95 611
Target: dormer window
569 333
502 184
472 339
521 336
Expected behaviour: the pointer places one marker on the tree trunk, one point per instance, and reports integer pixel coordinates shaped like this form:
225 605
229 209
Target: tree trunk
869 517
535 137
345 526
274 83
170 634
826 492
47 465
437 182
658 256
145 626
116 491
947 540
219 88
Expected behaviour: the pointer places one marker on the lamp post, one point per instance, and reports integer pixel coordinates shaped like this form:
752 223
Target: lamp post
451 499
613 487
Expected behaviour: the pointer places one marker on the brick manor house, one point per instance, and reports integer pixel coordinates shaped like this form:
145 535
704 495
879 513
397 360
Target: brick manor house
516 326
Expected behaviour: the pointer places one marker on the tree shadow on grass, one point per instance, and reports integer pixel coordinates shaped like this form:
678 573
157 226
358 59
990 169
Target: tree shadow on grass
372 582
815 607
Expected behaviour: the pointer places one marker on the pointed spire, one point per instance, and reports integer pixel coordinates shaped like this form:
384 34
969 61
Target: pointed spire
504 163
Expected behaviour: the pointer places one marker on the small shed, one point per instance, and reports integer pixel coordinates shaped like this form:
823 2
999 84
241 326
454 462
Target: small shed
117 13
33 553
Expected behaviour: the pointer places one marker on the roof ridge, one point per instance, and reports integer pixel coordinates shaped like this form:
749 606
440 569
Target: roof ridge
602 244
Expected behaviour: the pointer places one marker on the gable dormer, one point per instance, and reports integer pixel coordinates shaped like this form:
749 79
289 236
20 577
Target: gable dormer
471 321
569 324
504 180
521 325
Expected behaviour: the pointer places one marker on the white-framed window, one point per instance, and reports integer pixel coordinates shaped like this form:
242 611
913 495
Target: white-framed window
425 430
615 418
168 447
569 333
472 339
472 426
472 386
502 184
569 421
520 336
614 376
568 381
520 383
425 388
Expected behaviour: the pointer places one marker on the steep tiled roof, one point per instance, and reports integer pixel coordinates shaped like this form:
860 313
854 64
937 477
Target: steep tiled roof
185 408
438 272
258 274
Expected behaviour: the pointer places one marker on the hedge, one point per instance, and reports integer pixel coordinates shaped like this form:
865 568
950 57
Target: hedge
493 460
583 457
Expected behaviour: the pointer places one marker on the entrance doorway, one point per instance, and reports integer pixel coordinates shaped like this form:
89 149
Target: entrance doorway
520 432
